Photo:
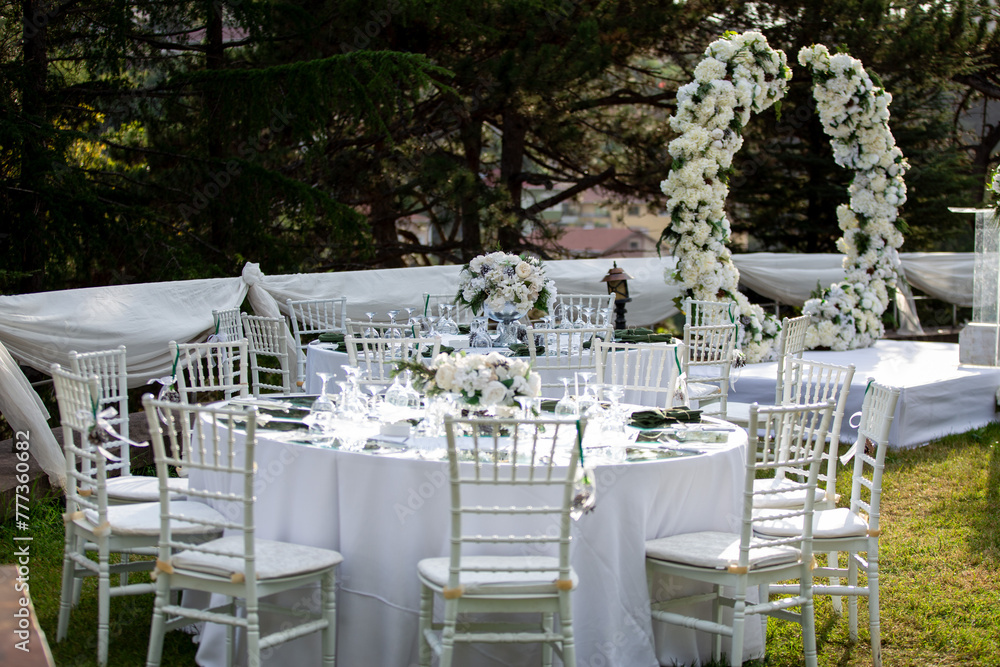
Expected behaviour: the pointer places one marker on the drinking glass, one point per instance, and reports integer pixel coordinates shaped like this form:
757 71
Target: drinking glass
410 323
566 407
371 331
479 337
393 331
323 402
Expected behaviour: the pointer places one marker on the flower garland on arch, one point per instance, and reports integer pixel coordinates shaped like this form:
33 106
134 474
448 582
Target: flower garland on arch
854 112
740 74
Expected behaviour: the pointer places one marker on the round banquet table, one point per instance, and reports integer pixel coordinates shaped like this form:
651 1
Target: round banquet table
385 513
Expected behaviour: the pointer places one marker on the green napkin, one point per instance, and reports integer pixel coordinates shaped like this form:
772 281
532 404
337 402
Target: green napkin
633 331
445 349
522 350
331 337
548 404
657 417
465 329
644 338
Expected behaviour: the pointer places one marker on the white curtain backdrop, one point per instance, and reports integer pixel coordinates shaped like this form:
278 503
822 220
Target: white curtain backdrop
40 329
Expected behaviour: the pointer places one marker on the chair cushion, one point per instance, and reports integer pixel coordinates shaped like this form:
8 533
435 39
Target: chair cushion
703 390
791 498
144 518
738 413
435 570
716 550
143 489
274 560
839 522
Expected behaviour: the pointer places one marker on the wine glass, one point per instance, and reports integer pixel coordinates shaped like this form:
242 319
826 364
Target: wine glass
371 331
323 402
410 322
578 322
393 330
374 390
395 395
479 337
566 407
585 401
447 323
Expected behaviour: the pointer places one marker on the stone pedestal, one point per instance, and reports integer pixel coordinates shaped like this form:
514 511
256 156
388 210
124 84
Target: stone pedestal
977 344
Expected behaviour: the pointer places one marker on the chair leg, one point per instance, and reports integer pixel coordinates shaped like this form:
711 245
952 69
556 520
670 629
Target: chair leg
156 629
873 603
448 632
123 576
68 586
566 628
547 625
808 618
103 603
739 623
763 595
426 617
253 634
832 561
717 617
329 592
852 602
80 547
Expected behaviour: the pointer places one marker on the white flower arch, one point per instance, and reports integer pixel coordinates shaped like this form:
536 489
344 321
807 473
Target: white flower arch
854 112
741 74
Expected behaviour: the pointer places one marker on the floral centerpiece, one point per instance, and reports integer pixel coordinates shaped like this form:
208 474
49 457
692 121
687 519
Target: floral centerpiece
498 278
480 379
854 109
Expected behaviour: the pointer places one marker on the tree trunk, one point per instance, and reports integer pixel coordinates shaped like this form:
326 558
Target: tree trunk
30 216
515 128
472 143
215 60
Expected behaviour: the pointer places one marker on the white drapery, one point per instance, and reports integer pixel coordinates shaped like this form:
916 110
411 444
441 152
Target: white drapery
40 329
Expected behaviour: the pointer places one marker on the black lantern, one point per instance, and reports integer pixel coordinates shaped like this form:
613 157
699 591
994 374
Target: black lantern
617 281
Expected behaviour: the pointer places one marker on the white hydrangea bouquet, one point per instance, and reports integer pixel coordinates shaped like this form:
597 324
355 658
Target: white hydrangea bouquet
497 278
480 379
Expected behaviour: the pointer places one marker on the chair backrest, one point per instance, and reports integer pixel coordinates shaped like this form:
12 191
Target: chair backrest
791 438
461 313
110 368
646 371
708 360
877 412
508 453
228 326
216 369
791 343
312 317
568 305
360 329
220 443
564 352
709 313
78 397
266 338
377 356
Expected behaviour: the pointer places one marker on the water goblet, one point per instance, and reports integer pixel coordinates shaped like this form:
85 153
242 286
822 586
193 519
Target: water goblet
566 407
393 330
323 402
370 331
410 323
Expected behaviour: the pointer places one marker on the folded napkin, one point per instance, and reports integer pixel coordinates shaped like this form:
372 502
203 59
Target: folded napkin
521 350
331 337
548 404
657 417
445 349
644 338
465 329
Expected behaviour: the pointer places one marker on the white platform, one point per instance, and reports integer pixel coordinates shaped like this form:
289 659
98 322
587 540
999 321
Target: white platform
939 395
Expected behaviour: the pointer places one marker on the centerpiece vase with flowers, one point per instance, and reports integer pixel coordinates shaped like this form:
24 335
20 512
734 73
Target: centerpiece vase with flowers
504 287
483 382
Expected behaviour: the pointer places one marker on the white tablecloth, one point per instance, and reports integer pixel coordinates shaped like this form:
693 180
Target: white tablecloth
385 514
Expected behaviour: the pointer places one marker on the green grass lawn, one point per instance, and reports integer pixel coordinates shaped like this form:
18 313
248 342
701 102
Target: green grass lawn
940 568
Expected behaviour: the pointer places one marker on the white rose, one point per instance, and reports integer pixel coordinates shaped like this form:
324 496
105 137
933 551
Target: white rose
534 387
523 270
445 377
494 393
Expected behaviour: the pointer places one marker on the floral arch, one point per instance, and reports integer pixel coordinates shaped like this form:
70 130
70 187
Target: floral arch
741 74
